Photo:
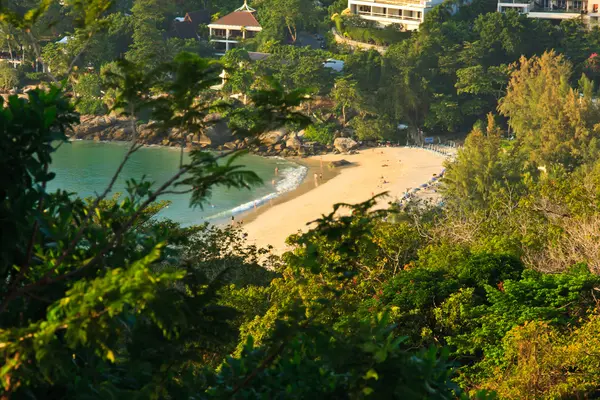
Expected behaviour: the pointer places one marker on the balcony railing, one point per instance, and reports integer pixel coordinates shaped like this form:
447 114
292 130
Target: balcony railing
398 2
388 16
571 10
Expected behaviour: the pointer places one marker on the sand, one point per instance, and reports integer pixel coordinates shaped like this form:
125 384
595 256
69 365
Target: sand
402 168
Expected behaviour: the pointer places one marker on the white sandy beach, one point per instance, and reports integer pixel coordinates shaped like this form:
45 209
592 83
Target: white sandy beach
406 168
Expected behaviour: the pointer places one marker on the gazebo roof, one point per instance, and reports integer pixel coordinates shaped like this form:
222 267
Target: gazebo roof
243 16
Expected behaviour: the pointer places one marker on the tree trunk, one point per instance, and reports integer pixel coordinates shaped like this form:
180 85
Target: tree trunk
293 32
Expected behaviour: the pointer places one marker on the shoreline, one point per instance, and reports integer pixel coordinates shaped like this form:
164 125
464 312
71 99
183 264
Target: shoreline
314 166
395 170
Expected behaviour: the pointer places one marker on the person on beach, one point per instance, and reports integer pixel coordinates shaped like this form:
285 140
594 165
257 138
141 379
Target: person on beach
273 182
276 171
316 179
320 177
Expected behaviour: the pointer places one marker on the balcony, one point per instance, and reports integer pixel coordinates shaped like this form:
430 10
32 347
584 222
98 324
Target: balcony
418 3
390 17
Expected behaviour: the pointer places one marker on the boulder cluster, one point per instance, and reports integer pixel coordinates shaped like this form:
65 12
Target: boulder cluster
217 136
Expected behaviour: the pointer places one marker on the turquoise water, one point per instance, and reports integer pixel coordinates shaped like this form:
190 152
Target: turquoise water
85 168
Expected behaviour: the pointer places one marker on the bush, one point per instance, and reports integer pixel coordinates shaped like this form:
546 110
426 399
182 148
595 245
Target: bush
365 31
374 129
322 133
89 94
9 76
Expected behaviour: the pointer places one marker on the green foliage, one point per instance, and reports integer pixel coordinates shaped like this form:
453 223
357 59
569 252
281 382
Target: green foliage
346 95
283 19
101 298
298 67
560 134
365 31
319 362
374 129
320 133
9 76
148 48
88 90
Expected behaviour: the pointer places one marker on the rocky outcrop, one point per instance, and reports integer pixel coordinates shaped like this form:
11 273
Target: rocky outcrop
345 145
217 136
108 128
339 163
272 137
293 142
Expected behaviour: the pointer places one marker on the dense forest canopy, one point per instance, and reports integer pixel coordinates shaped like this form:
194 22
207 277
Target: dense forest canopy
491 293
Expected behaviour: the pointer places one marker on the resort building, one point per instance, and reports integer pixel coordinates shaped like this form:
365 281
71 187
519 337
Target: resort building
226 32
407 13
555 9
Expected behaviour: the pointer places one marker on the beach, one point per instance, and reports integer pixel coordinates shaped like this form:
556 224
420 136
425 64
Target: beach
400 168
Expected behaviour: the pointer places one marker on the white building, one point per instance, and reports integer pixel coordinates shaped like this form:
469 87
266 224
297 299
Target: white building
226 32
408 13
555 9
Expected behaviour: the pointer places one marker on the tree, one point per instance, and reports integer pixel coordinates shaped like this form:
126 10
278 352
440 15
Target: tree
552 121
56 58
148 46
291 15
88 91
346 95
373 128
296 67
476 81
240 72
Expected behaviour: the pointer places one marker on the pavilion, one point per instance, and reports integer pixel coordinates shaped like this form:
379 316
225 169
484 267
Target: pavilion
228 31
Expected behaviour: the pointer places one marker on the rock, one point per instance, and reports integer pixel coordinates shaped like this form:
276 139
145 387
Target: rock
279 146
230 146
339 163
344 145
301 133
217 134
273 137
294 142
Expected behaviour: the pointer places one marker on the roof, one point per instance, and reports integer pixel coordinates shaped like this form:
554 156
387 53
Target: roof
238 18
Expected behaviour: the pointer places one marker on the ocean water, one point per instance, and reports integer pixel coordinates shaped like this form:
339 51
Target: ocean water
85 168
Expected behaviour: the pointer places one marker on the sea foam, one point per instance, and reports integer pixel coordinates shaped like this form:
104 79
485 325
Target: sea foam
290 178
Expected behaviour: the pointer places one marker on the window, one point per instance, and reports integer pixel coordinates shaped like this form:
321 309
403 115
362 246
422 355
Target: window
235 34
219 32
366 9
